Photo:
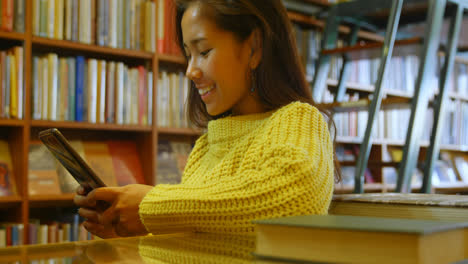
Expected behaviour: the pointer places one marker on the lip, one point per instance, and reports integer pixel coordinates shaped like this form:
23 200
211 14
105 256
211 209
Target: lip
206 97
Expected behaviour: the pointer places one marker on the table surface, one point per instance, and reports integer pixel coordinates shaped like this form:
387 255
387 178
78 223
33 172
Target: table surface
170 248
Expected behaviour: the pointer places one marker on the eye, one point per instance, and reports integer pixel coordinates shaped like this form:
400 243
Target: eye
204 53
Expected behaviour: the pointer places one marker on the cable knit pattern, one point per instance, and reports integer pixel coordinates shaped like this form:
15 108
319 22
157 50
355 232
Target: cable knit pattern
247 168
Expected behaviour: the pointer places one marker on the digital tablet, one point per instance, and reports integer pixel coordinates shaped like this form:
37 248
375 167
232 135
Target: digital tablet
70 159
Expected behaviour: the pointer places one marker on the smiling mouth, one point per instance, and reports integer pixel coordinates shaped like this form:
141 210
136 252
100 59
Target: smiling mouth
206 90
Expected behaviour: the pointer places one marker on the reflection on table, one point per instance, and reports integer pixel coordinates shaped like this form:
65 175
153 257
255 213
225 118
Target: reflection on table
172 248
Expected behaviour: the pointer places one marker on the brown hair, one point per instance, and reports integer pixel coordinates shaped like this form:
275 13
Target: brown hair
280 78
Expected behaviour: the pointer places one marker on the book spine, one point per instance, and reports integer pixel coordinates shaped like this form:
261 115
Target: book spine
51 18
45 88
43 13
36 17
7 16
2 80
102 92
59 9
72 89
20 82
6 105
110 93
75 15
112 23
92 90
68 20
64 95
100 23
19 16
79 88
161 26
53 86
120 76
150 98
13 87
142 94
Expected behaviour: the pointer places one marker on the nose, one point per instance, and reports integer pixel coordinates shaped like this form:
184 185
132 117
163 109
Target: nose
193 71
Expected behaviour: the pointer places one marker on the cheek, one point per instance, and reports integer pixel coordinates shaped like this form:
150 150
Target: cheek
227 72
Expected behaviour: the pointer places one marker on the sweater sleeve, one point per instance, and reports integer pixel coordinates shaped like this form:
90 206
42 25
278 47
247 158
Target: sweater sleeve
287 171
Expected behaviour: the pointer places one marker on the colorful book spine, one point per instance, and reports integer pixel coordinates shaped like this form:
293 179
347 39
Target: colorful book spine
79 113
71 89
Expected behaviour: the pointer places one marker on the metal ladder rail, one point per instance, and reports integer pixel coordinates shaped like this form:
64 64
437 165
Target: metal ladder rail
345 70
330 35
442 98
376 102
420 99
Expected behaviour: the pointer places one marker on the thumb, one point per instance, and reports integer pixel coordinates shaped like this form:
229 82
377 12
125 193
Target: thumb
108 194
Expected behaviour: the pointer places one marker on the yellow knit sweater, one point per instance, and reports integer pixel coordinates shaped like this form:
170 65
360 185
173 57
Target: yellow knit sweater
245 168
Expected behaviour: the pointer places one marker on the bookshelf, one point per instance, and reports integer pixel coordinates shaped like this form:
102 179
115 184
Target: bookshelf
20 133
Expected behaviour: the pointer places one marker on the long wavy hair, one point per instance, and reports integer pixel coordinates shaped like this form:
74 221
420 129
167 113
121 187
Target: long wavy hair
280 77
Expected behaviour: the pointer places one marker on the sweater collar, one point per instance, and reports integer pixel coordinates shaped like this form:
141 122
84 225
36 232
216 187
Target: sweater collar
233 127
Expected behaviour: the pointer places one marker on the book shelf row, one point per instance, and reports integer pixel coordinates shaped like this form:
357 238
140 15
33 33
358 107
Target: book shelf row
113 23
449 171
43 233
11 83
173 89
90 90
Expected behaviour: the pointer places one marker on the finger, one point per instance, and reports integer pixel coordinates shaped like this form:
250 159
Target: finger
90 215
84 201
96 229
121 230
107 194
80 190
109 216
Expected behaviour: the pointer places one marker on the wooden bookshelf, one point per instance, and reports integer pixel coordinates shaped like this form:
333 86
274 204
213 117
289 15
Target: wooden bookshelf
90 49
456 96
171 59
12 122
366 88
90 126
20 133
451 188
363 105
368 187
48 200
312 22
373 49
372 163
9 201
12 36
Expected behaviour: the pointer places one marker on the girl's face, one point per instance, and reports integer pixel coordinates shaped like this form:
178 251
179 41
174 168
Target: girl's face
218 64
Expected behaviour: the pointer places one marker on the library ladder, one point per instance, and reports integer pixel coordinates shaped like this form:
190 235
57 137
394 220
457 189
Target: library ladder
456 17
353 12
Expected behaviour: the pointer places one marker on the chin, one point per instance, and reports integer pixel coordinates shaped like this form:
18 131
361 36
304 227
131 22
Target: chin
215 112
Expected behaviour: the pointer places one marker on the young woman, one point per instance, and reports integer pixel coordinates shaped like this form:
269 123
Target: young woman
267 153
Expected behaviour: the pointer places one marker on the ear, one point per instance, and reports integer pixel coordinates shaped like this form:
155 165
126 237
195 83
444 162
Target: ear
256 48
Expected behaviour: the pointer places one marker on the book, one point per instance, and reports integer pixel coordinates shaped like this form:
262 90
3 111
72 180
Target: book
7 176
42 176
358 239
168 167
126 162
99 158
402 205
